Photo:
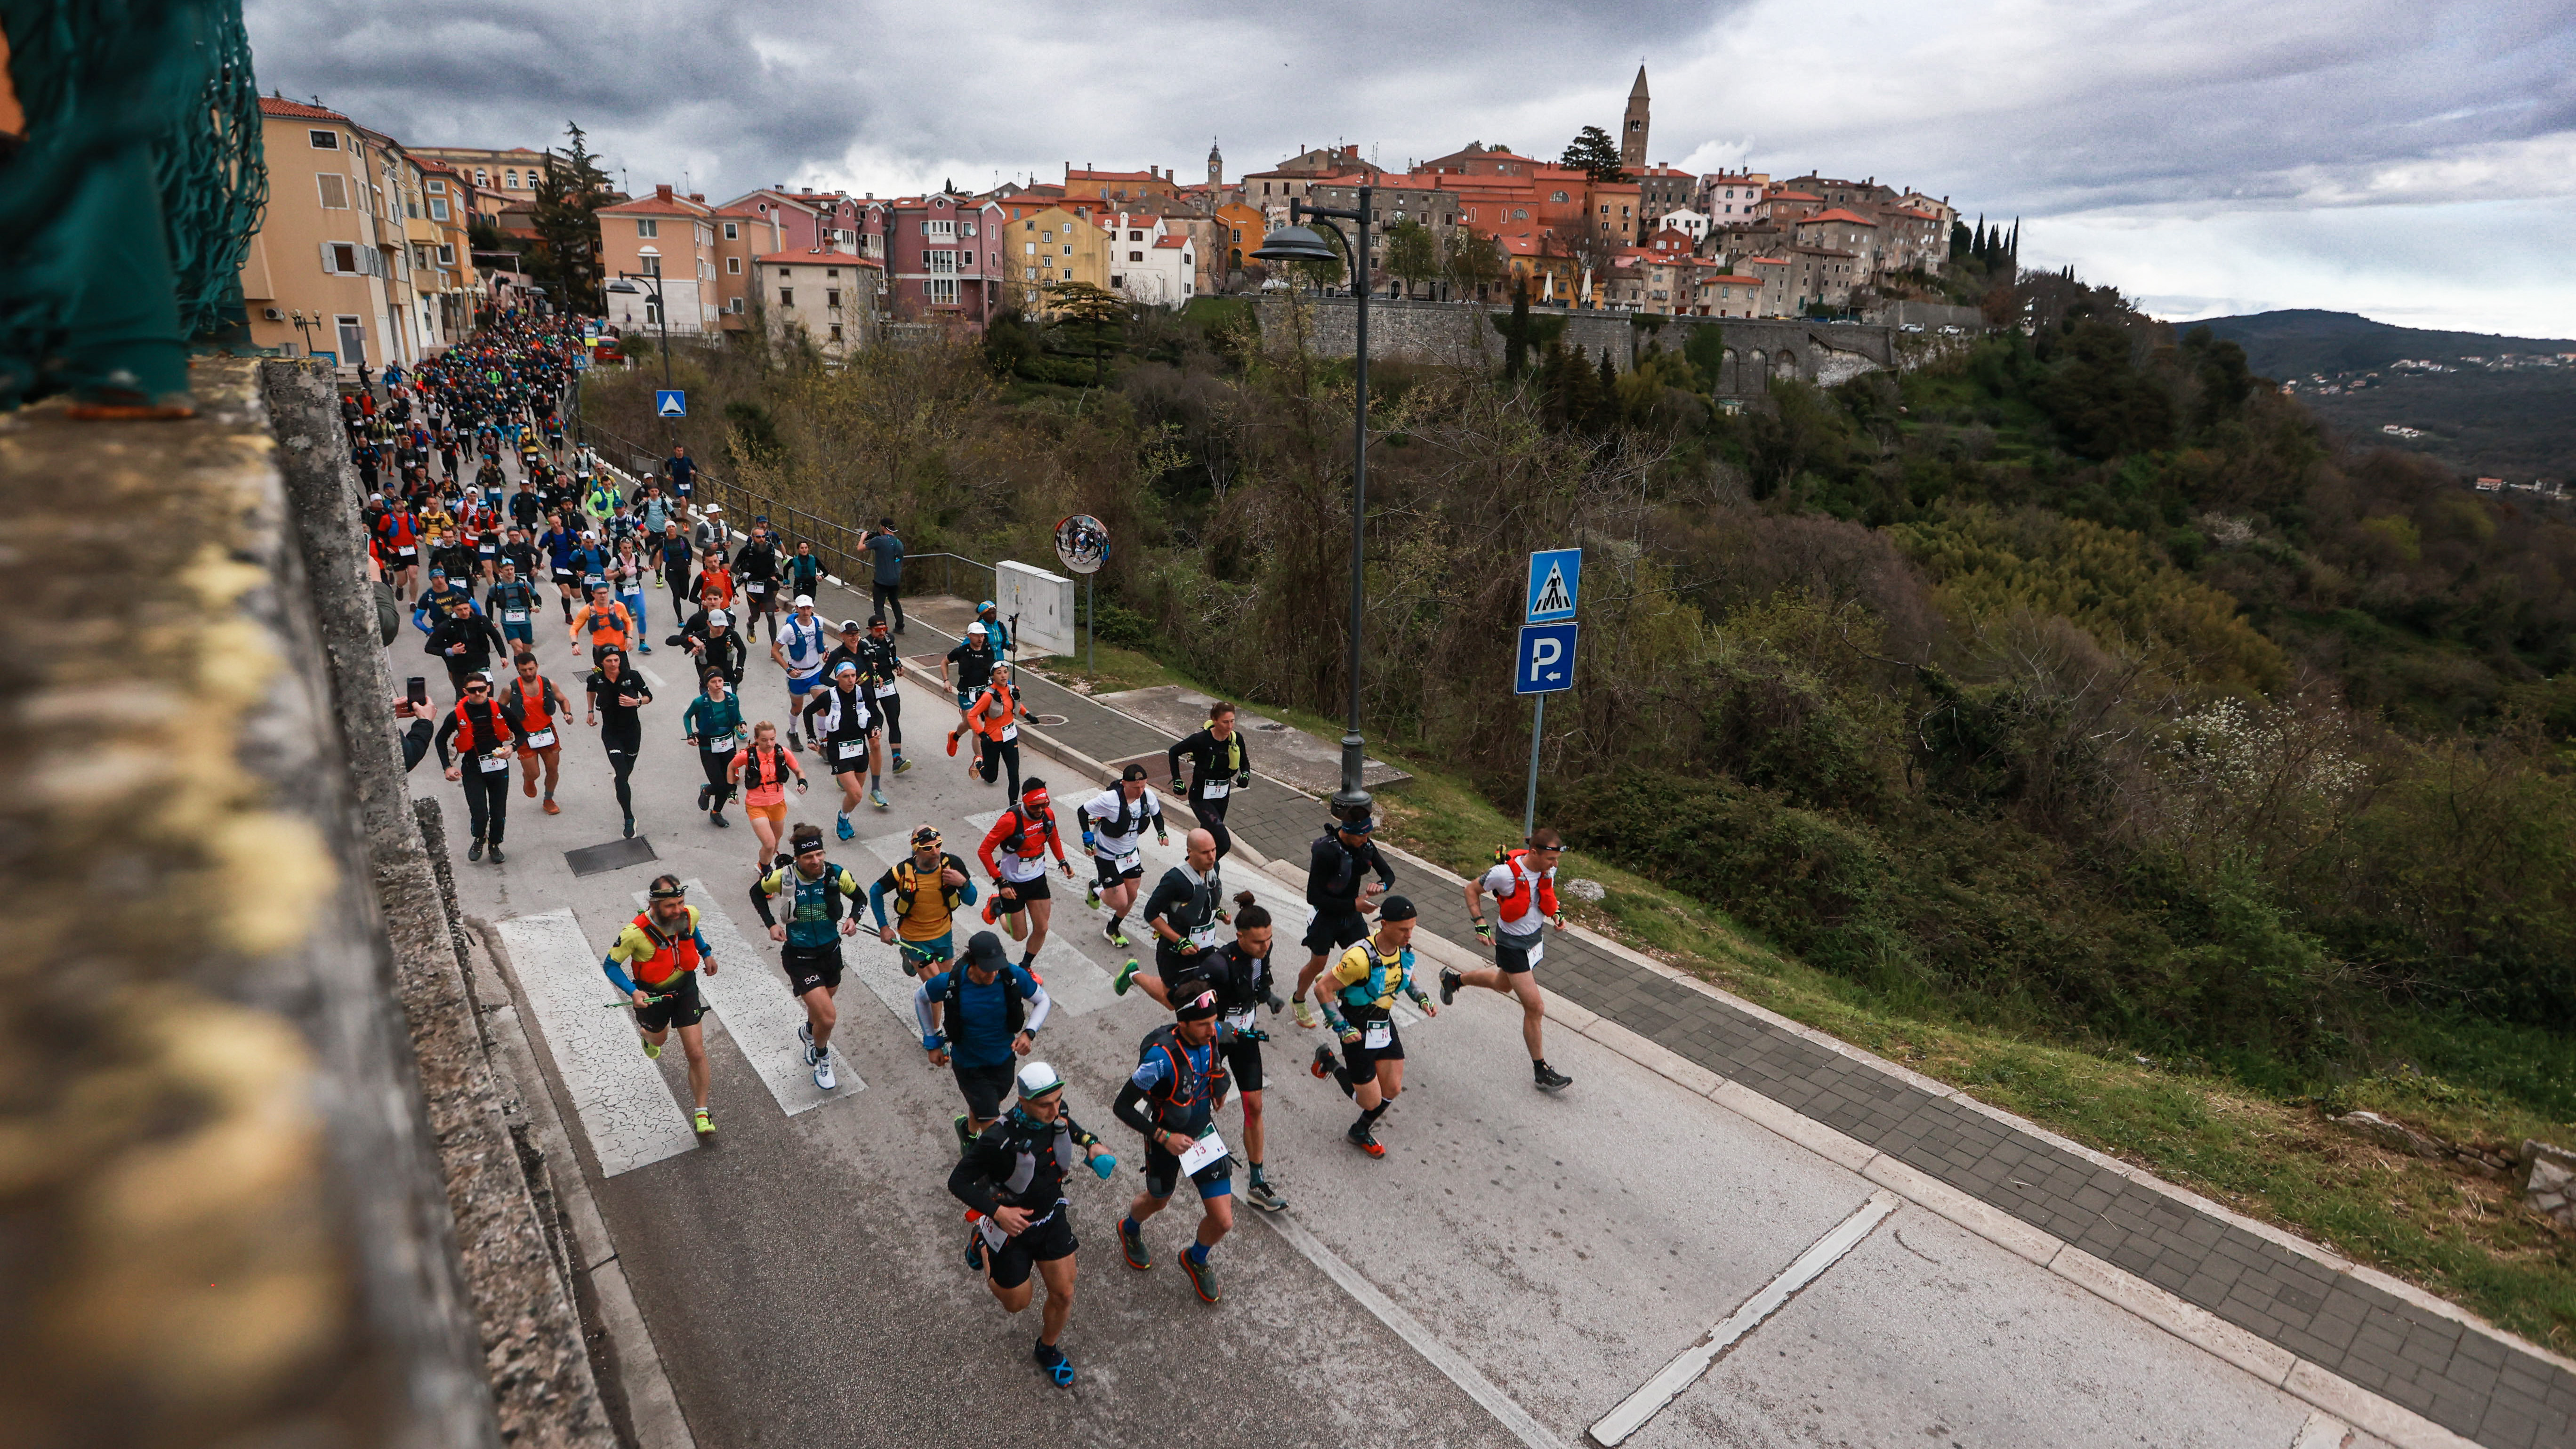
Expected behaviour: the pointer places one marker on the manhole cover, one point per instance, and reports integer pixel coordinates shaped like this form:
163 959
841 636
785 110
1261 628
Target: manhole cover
615 855
1048 721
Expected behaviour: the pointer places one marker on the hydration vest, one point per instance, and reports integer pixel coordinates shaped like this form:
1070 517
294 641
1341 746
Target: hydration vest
1183 1090
1015 1010
775 767
681 951
472 731
1386 974
907 885
1530 892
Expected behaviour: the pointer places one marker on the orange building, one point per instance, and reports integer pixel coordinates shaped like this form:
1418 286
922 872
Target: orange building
1240 229
1120 186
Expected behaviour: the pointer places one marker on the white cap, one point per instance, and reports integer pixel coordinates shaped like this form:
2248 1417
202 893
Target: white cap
718 616
1038 1078
804 601
974 628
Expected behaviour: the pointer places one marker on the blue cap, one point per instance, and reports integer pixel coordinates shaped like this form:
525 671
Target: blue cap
987 604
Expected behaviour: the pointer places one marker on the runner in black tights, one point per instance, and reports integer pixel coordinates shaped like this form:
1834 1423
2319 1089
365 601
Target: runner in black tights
616 694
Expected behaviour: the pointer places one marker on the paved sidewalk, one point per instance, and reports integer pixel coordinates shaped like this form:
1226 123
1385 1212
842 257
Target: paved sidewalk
2474 1384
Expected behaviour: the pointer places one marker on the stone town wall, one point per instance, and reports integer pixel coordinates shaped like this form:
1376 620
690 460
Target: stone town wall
1460 333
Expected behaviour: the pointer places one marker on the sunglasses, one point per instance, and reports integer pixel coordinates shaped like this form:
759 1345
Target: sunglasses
478 689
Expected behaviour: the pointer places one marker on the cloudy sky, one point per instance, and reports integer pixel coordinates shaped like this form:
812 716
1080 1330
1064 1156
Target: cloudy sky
2412 161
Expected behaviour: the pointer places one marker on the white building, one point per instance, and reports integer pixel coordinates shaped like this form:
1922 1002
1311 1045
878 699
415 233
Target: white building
1693 224
1150 260
831 297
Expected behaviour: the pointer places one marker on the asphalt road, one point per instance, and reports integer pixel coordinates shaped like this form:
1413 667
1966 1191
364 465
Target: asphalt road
1516 1266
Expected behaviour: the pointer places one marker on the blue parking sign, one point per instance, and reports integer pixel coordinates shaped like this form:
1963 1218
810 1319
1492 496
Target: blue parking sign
1546 659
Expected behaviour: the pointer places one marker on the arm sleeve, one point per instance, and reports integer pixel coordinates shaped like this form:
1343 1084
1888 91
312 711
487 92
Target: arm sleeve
1130 1108
966 892
446 732
971 1180
760 890
617 976
1173 754
1164 898
1319 871
1040 1005
1377 862
921 1004
876 906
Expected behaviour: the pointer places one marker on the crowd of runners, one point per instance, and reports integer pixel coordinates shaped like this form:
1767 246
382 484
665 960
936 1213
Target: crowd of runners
473 552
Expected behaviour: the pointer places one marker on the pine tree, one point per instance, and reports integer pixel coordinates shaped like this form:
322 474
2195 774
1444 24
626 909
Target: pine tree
570 192
1592 150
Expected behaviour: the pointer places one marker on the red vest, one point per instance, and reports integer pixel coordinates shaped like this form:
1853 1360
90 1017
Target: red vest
676 956
1516 906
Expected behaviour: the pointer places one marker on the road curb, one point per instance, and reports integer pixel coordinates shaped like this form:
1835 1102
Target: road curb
637 1376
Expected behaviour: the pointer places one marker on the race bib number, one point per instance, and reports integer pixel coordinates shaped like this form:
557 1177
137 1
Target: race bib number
850 749
1202 1152
1240 1020
1537 950
541 739
407 551
1203 936
1377 1034
1216 789
493 764
514 616
755 588
888 690
1010 733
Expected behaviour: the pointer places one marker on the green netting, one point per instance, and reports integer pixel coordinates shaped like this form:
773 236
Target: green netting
125 214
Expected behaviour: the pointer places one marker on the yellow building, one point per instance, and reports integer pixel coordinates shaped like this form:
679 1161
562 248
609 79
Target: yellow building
1054 246
340 265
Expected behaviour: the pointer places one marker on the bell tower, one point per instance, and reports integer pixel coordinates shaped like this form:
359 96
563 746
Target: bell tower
1632 133
1216 167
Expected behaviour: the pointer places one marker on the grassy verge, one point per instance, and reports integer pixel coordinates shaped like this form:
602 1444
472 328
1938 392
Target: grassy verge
2270 1155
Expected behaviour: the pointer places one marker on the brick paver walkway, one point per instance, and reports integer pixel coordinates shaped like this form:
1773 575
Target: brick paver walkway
2478 1386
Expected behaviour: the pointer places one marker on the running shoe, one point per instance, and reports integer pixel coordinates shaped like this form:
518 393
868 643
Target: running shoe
1051 1358
1265 1197
497 857
1093 898
992 909
474 851
1305 1014
901 764
1126 975
1450 981
952 744
1131 1244
705 1124
876 797
1549 1079
974 1240
703 792
652 1049
792 742
823 1077
721 822
1202 1277
965 1138
1324 1062
843 828
630 827
1366 1141
1114 936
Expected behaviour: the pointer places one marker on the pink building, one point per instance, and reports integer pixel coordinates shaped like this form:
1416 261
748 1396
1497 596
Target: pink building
943 256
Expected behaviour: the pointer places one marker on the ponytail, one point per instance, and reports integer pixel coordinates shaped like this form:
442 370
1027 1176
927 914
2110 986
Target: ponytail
1249 912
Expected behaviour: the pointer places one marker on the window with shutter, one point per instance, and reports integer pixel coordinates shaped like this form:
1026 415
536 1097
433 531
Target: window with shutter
335 191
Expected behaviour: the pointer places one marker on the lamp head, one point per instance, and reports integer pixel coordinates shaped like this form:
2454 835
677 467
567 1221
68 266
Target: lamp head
1295 244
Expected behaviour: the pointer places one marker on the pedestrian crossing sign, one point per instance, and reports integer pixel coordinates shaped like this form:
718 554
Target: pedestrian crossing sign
671 402
1555 575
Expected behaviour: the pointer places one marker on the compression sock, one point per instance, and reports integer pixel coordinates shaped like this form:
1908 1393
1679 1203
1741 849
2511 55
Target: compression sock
1369 1116
1197 1253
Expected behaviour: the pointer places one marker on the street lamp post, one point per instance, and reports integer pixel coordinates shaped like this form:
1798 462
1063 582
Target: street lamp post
625 283
1296 242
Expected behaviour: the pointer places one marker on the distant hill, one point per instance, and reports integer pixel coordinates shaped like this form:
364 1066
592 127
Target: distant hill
2303 342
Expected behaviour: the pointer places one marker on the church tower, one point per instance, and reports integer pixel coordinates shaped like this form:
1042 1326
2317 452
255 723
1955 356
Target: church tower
1216 167
1632 135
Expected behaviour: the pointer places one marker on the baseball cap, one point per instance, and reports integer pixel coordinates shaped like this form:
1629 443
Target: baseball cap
987 604
1397 908
804 601
718 616
1039 1078
985 949
849 626
975 629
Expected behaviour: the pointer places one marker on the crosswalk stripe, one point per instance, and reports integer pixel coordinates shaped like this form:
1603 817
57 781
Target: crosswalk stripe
749 994
626 1108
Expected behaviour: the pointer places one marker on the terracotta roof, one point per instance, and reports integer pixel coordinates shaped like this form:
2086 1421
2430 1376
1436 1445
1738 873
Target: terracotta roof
1768 261
1173 241
1839 214
819 259
653 204
280 106
1747 281
1918 215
